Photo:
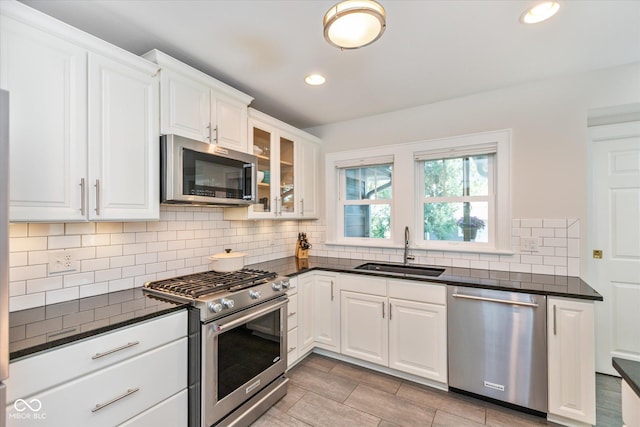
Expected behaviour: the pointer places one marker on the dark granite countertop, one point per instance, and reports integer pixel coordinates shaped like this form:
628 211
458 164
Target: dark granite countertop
42 328
630 372
561 286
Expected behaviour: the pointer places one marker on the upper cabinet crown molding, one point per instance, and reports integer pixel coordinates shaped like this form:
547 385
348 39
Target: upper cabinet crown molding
197 106
52 26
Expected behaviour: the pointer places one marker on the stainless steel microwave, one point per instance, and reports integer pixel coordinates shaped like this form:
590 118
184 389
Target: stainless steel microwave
194 172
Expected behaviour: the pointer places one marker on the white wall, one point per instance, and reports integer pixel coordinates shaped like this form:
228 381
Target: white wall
549 123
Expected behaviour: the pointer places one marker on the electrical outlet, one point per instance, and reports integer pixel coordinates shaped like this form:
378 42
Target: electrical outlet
529 244
63 262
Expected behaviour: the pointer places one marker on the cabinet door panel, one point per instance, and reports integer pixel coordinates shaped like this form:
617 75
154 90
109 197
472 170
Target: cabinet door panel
418 339
308 178
364 329
231 123
305 314
170 412
46 78
185 107
571 359
326 305
123 141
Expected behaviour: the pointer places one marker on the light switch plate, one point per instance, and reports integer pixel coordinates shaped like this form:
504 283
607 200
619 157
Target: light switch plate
529 244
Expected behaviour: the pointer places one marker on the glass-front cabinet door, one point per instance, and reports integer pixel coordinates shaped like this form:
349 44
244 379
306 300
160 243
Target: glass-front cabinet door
275 151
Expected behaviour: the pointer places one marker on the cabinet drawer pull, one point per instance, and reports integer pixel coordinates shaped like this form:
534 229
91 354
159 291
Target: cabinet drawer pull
332 290
293 313
301 207
115 399
106 353
390 311
383 309
555 330
291 349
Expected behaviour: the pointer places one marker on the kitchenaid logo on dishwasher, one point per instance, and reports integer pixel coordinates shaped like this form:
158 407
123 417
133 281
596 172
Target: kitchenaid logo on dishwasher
494 386
28 410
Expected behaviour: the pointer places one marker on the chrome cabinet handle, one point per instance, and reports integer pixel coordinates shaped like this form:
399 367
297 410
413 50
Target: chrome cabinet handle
97 196
291 349
293 313
275 206
280 206
383 309
115 399
501 301
106 353
555 330
390 312
301 207
332 290
83 197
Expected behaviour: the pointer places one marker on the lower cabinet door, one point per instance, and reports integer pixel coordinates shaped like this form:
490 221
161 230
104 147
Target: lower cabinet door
110 396
418 339
571 359
170 412
364 327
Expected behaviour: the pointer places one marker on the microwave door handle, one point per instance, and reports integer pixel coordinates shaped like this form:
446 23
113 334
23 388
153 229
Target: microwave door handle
249 191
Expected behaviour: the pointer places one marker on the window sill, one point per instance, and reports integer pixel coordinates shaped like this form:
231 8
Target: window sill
449 248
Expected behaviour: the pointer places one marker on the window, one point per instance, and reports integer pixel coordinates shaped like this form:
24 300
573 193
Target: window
453 194
365 200
458 198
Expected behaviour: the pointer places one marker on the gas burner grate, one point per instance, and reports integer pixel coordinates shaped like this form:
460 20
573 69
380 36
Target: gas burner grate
197 285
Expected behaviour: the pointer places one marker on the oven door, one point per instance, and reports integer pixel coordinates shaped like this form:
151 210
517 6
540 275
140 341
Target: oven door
241 354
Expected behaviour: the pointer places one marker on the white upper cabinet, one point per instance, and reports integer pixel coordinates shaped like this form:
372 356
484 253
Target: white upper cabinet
197 106
47 82
287 171
124 144
83 126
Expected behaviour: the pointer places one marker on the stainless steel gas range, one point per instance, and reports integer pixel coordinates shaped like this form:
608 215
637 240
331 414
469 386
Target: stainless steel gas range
243 341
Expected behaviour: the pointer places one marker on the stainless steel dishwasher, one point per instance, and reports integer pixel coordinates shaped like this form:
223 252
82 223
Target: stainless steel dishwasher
497 345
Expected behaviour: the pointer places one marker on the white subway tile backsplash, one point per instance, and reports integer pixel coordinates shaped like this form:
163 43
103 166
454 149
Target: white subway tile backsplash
123 255
61 295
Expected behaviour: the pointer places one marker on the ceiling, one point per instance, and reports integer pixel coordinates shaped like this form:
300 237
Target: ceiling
432 50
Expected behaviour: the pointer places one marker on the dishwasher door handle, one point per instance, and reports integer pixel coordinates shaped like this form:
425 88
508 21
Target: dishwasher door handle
500 301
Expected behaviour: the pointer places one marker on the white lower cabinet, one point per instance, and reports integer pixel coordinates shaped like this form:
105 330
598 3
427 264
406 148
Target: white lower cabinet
305 314
396 323
630 406
292 322
571 360
103 381
170 412
326 312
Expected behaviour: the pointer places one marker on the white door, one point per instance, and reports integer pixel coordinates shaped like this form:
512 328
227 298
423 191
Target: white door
308 162
615 229
418 339
365 329
230 118
326 307
305 314
123 142
47 81
185 107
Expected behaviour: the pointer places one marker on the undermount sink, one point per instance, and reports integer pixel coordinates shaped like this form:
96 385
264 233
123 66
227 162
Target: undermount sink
401 269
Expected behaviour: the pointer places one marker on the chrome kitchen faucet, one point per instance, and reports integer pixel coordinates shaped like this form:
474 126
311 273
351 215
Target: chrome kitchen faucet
407 257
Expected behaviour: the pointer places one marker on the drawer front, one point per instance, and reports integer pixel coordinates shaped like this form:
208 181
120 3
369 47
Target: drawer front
170 412
363 284
112 395
293 286
418 291
292 347
292 312
32 374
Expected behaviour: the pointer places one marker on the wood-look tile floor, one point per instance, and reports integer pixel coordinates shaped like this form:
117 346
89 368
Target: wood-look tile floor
332 393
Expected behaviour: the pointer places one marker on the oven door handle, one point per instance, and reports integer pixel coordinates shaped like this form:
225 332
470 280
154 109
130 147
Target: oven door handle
220 328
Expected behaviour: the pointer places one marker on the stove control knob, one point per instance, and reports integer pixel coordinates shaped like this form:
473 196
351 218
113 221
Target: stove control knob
276 286
285 284
227 303
254 294
215 307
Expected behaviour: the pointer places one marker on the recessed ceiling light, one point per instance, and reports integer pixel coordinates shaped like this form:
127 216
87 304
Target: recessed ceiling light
314 79
540 12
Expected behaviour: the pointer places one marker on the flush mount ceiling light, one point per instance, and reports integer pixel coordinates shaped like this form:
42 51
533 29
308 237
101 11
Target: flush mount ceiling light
540 12
314 79
351 24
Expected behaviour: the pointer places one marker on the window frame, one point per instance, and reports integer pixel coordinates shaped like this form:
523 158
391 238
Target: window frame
405 203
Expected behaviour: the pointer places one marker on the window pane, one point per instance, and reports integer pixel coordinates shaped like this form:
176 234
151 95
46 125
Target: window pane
466 176
368 183
461 221
372 221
